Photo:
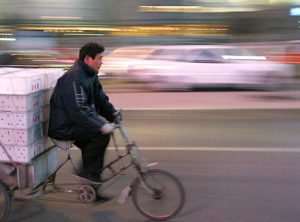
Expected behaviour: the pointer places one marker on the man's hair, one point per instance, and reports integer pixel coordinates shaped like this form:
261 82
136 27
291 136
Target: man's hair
90 49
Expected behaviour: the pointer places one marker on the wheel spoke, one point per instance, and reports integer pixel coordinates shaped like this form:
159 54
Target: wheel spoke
167 197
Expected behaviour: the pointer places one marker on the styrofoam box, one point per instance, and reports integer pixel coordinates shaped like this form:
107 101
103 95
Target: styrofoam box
21 137
20 120
42 166
47 142
23 120
22 102
7 70
25 102
22 154
27 81
25 154
47 95
46 112
45 127
51 77
21 83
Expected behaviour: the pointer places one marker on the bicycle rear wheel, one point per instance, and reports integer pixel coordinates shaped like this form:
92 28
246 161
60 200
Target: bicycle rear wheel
5 202
161 198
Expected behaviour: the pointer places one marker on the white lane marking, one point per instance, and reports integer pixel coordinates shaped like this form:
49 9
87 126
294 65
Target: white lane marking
222 149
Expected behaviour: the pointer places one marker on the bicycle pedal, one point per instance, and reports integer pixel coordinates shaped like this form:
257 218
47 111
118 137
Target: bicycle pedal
124 194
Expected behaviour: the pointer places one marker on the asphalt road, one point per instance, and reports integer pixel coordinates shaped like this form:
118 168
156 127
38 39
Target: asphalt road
235 165
214 128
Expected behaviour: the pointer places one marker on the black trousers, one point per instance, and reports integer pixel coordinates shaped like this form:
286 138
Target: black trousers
93 149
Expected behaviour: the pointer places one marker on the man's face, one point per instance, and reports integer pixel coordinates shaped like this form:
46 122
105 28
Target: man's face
96 63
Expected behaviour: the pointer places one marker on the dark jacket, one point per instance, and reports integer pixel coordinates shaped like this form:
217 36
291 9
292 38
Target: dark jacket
76 103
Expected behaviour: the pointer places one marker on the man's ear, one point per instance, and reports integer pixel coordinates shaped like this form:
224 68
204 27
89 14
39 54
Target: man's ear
86 59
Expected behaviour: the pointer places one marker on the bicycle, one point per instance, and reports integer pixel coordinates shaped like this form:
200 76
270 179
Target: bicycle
150 190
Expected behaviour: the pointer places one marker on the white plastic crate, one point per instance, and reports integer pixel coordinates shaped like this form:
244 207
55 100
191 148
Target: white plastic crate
21 83
22 102
21 137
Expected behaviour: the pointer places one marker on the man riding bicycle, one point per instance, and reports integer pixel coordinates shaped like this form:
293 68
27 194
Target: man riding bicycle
81 111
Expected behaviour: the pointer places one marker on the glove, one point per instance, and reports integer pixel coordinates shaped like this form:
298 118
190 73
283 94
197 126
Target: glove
107 128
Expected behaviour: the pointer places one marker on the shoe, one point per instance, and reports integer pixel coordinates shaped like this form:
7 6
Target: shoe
102 199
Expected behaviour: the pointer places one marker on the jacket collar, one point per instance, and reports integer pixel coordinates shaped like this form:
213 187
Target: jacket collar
88 70
85 73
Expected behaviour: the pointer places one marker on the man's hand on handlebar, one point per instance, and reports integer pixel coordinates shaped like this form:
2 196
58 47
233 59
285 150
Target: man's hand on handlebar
107 128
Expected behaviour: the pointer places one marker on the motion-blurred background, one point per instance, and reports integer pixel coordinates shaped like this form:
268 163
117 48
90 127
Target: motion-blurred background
210 43
233 141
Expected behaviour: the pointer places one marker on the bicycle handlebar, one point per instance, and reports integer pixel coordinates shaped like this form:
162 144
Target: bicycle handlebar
119 125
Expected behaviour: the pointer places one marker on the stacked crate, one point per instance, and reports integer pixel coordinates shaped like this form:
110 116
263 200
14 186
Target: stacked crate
24 113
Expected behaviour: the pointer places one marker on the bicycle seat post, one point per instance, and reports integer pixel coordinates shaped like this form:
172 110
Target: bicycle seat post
65 145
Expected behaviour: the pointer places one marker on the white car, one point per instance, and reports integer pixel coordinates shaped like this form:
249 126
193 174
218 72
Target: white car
186 67
116 63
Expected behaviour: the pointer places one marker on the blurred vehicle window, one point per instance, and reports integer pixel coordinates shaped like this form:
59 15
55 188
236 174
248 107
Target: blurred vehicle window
205 55
167 54
237 52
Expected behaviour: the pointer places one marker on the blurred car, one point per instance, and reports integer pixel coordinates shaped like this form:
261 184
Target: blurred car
186 67
290 53
117 62
280 51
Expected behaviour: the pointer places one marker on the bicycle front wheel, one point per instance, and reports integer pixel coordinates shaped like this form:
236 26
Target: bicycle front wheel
160 197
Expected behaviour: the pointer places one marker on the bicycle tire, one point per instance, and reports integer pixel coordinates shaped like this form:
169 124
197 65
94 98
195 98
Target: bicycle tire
155 178
6 199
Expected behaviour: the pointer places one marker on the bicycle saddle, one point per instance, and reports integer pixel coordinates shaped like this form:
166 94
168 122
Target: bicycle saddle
63 144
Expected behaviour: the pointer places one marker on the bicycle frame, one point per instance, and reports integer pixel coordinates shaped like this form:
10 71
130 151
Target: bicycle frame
87 191
131 149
